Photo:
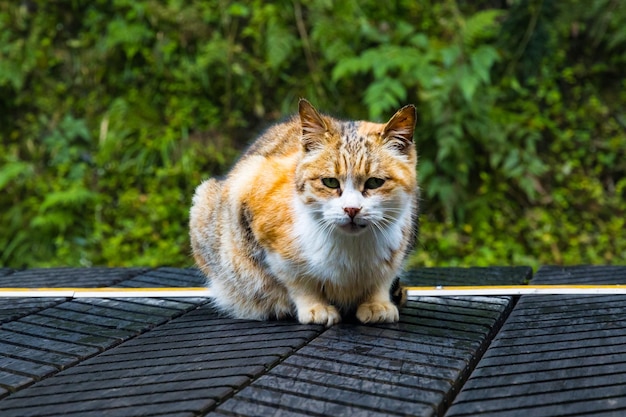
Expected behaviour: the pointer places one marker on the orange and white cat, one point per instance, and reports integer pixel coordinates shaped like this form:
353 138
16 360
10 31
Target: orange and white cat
315 220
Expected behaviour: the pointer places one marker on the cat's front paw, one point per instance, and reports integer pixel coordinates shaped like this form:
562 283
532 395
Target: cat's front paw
319 314
377 312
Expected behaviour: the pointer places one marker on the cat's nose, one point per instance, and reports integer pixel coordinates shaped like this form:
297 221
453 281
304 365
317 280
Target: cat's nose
351 211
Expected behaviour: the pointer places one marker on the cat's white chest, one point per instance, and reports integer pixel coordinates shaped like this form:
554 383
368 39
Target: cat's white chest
332 255
343 259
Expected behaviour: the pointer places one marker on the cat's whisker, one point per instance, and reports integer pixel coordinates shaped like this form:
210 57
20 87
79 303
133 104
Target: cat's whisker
384 232
388 221
393 211
326 230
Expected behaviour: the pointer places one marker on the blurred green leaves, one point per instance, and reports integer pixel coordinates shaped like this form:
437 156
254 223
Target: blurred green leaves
112 112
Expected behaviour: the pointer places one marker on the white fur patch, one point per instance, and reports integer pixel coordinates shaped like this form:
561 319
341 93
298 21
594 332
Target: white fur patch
331 254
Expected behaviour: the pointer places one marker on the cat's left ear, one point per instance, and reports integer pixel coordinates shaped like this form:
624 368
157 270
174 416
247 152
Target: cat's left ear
399 129
314 126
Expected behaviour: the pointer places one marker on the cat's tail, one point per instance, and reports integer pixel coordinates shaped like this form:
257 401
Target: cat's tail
207 194
398 293
202 224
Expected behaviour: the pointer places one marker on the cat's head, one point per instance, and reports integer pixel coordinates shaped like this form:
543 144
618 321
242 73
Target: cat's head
356 176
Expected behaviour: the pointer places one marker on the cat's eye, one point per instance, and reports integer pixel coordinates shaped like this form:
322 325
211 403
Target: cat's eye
373 183
331 182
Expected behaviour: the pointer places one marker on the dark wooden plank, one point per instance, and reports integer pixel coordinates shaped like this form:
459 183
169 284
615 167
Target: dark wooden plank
172 277
353 383
53 334
39 355
308 404
396 339
466 276
581 275
174 365
580 401
373 370
169 277
52 345
147 404
14 308
556 355
10 380
165 371
79 380
255 408
174 357
25 367
191 343
172 352
340 342
59 319
142 392
180 304
69 277
413 367
339 399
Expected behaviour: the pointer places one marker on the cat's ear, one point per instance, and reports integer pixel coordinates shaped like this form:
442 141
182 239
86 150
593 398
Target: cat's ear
314 127
399 129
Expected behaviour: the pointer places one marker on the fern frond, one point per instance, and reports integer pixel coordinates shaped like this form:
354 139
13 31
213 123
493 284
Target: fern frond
481 26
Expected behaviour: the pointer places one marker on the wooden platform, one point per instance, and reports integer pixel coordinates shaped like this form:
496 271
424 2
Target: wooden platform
461 356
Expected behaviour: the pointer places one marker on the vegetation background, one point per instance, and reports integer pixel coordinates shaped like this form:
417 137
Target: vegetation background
111 112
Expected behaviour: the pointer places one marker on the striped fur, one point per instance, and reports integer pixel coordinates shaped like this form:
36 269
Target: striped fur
314 221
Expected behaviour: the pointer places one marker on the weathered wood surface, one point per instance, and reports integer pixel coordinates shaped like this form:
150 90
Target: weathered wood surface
552 355
555 355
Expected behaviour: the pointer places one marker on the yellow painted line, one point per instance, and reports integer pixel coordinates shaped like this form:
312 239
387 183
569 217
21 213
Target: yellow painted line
438 291
36 292
500 290
107 292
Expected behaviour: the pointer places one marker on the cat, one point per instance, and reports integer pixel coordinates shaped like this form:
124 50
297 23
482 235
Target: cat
313 222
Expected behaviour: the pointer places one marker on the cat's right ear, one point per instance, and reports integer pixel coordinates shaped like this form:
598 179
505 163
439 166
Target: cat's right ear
399 129
314 127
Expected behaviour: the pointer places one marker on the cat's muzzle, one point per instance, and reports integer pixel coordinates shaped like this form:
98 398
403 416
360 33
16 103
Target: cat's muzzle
353 227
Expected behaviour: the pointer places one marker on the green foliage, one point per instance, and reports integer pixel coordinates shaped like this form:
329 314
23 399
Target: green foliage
112 112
